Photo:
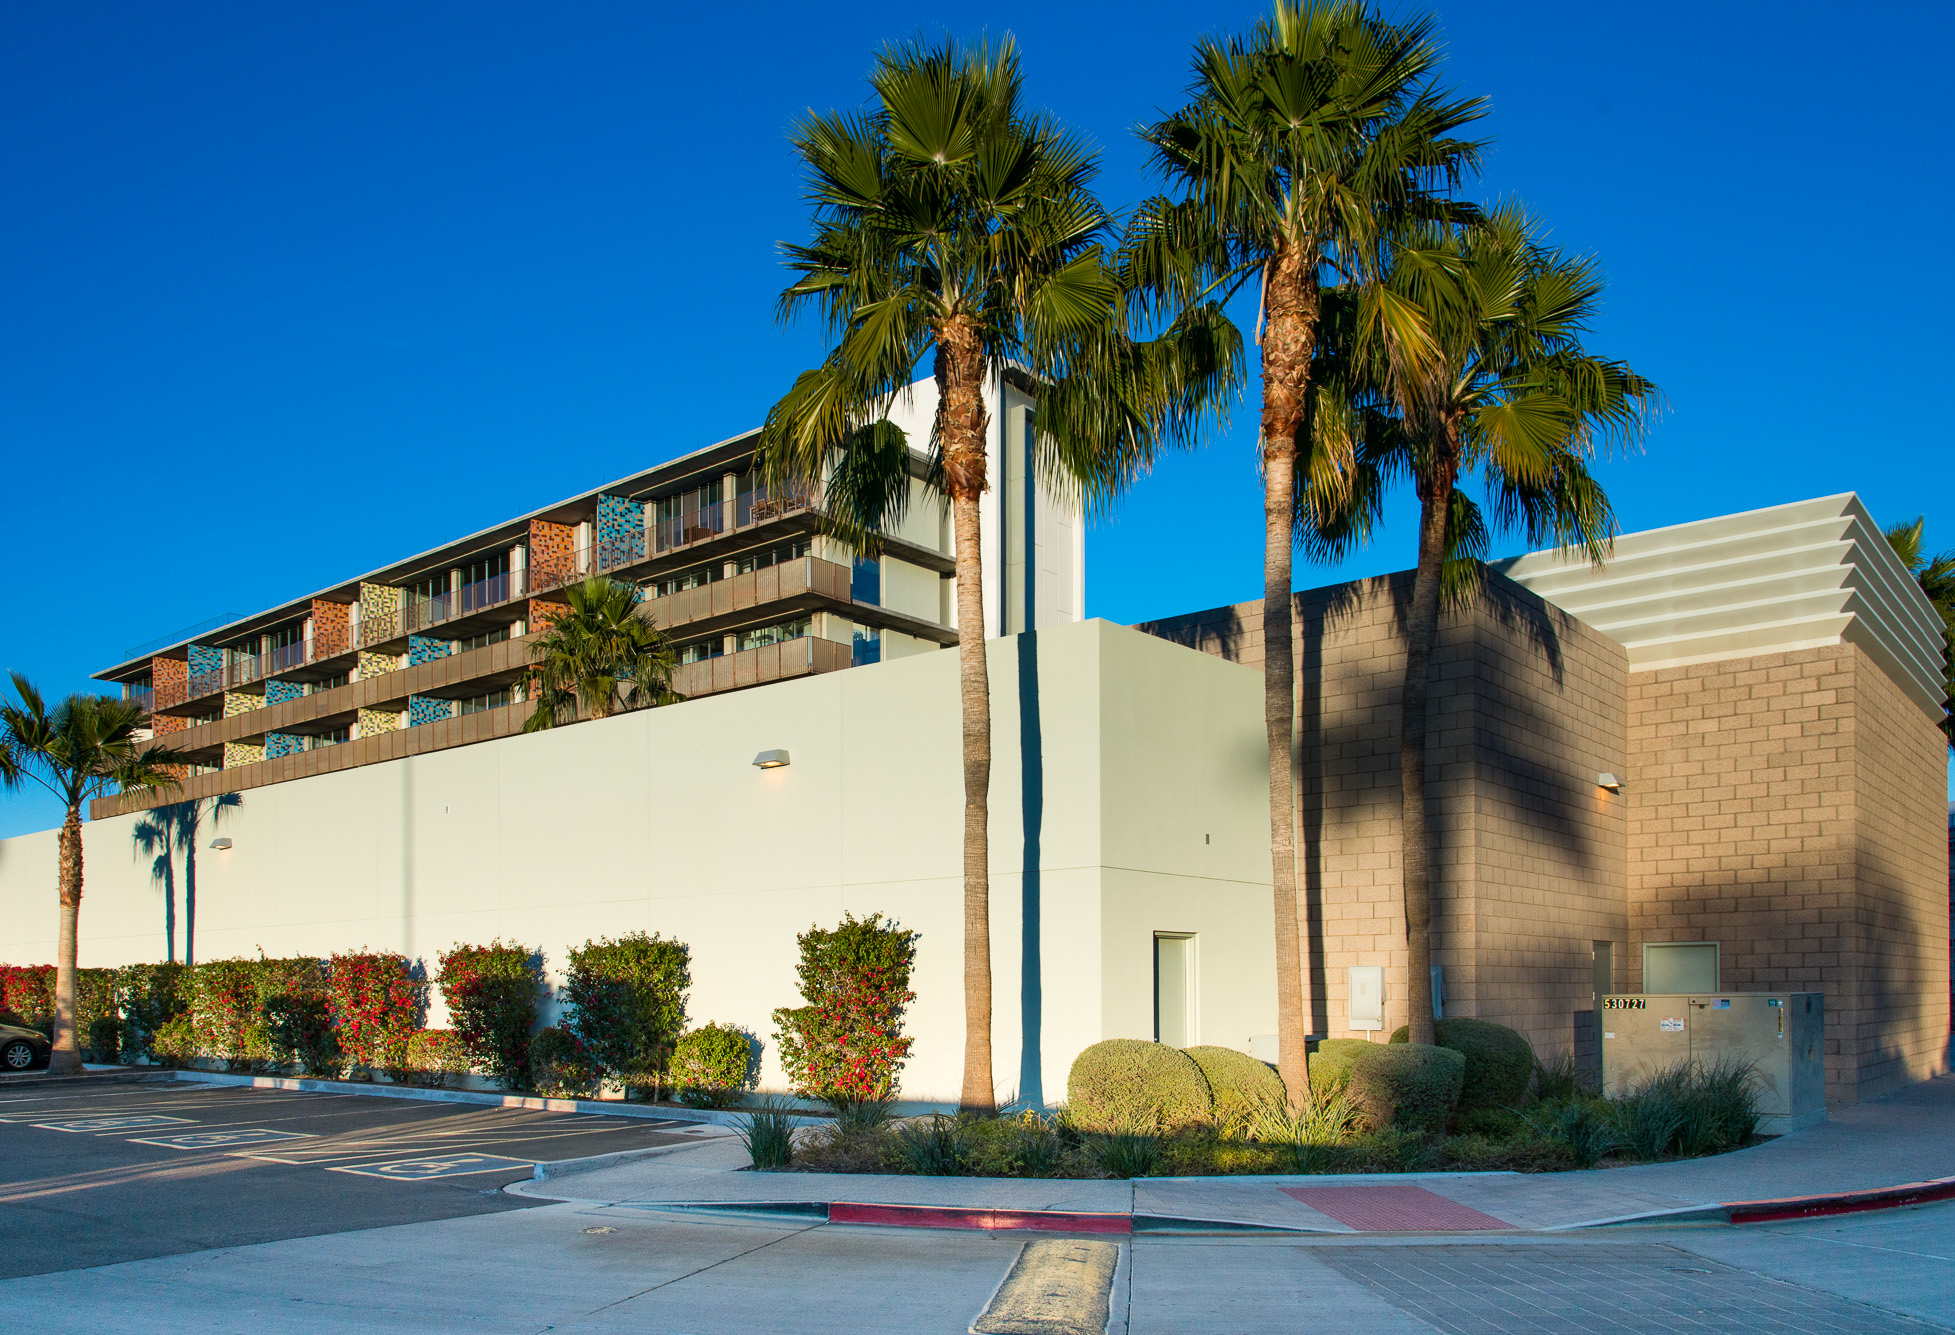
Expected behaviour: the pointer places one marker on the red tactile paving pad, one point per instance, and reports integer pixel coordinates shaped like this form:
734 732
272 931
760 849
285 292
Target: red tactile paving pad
1392 1208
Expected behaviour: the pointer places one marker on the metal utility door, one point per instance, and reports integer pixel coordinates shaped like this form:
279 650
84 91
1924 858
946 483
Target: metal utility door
1745 1030
1642 1035
1174 990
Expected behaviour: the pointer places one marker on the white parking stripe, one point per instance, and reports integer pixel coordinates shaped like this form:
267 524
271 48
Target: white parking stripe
218 1140
447 1165
129 1123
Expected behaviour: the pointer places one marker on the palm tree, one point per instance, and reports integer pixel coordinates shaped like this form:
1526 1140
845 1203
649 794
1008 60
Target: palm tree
1472 352
951 223
601 653
166 832
1300 145
80 749
1936 576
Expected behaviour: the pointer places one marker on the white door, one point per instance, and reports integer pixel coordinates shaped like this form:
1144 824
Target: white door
1174 990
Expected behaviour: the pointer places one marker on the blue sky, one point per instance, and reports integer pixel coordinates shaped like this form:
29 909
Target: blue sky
292 290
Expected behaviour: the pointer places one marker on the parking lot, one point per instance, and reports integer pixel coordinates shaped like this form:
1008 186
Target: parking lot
126 1172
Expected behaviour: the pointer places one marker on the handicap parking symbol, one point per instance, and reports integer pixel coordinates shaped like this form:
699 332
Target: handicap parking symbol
221 1140
441 1165
128 1123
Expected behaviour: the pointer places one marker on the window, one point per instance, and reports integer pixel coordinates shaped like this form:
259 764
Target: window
773 556
779 634
700 650
1673 967
314 687
482 641
668 585
333 738
865 585
476 704
689 516
485 582
868 646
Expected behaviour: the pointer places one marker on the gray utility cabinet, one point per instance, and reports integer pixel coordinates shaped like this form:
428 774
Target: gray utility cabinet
1782 1035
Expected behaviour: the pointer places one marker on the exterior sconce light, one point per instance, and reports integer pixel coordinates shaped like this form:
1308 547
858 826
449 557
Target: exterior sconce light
222 841
1609 781
770 760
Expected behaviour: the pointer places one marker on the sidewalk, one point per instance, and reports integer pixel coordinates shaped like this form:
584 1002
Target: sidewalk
1907 1137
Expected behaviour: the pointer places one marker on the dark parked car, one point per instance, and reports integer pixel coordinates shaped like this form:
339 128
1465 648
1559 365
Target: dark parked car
22 1048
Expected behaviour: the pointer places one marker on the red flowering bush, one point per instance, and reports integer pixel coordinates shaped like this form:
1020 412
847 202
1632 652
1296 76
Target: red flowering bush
491 994
435 1056
562 1066
225 1023
847 1043
377 1001
27 995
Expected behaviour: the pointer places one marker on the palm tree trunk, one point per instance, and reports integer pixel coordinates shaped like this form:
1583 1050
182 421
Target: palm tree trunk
1290 296
66 1057
1421 631
962 424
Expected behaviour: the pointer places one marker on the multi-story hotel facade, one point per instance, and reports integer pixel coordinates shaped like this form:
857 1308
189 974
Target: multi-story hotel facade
432 651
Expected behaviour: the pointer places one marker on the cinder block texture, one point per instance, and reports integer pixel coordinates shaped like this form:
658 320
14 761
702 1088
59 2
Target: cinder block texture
1789 807
1529 705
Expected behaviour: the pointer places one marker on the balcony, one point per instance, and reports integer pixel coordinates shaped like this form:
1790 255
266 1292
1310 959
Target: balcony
465 601
756 667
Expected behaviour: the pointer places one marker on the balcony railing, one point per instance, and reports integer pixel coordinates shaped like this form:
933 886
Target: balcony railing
691 526
476 596
285 657
763 502
142 697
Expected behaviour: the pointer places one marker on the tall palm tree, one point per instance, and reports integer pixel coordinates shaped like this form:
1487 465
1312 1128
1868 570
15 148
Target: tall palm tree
602 653
82 748
1495 381
951 223
1936 576
1300 145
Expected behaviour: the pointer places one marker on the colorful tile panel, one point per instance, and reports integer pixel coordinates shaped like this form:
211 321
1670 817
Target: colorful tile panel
620 530
242 753
376 721
425 649
278 692
331 633
170 677
426 709
205 658
552 554
380 612
372 664
239 702
282 744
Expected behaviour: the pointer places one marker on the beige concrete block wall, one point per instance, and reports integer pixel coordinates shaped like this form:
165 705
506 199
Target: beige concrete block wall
1787 806
1528 707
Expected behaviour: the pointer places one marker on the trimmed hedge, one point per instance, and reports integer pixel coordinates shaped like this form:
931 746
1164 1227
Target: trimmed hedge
1407 1086
713 1065
1330 1064
628 1002
1499 1061
1126 1085
491 993
378 999
436 1056
1239 1083
561 1066
148 996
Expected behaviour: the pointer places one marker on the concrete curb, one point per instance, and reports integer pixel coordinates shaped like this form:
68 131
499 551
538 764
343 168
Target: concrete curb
546 1170
1840 1202
134 1075
481 1098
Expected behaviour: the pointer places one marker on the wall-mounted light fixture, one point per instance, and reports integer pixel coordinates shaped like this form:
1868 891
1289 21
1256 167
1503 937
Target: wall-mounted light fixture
770 760
222 841
1609 781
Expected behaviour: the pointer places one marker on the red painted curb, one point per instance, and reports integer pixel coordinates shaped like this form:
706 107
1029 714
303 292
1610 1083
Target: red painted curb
1840 1202
953 1216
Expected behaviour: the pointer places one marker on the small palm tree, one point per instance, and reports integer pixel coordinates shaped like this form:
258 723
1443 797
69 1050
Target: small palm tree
601 653
83 748
1300 147
951 224
1478 367
1936 576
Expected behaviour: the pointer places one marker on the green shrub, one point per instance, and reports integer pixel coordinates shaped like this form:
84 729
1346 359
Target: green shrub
935 1146
1238 1083
768 1134
1127 1084
847 1042
1306 1135
27 996
104 1039
1688 1109
224 1012
1123 1154
491 995
1406 1086
628 1002
1560 1079
1499 1061
713 1065
294 1016
1330 1064
148 996
174 1042
561 1066
1584 1128
97 1027
856 1116
436 1056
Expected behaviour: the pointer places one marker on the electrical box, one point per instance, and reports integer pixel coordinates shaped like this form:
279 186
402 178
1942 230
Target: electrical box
1782 1035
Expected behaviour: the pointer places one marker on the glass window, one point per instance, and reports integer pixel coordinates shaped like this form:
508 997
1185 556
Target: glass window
777 634
476 704
773 556
314 687
700 650
482 641
865 585
868 646
668 585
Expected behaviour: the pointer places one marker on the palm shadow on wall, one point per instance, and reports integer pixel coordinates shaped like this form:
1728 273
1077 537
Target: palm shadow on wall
168 837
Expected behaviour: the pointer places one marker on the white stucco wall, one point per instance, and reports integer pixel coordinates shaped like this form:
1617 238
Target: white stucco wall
1149 766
